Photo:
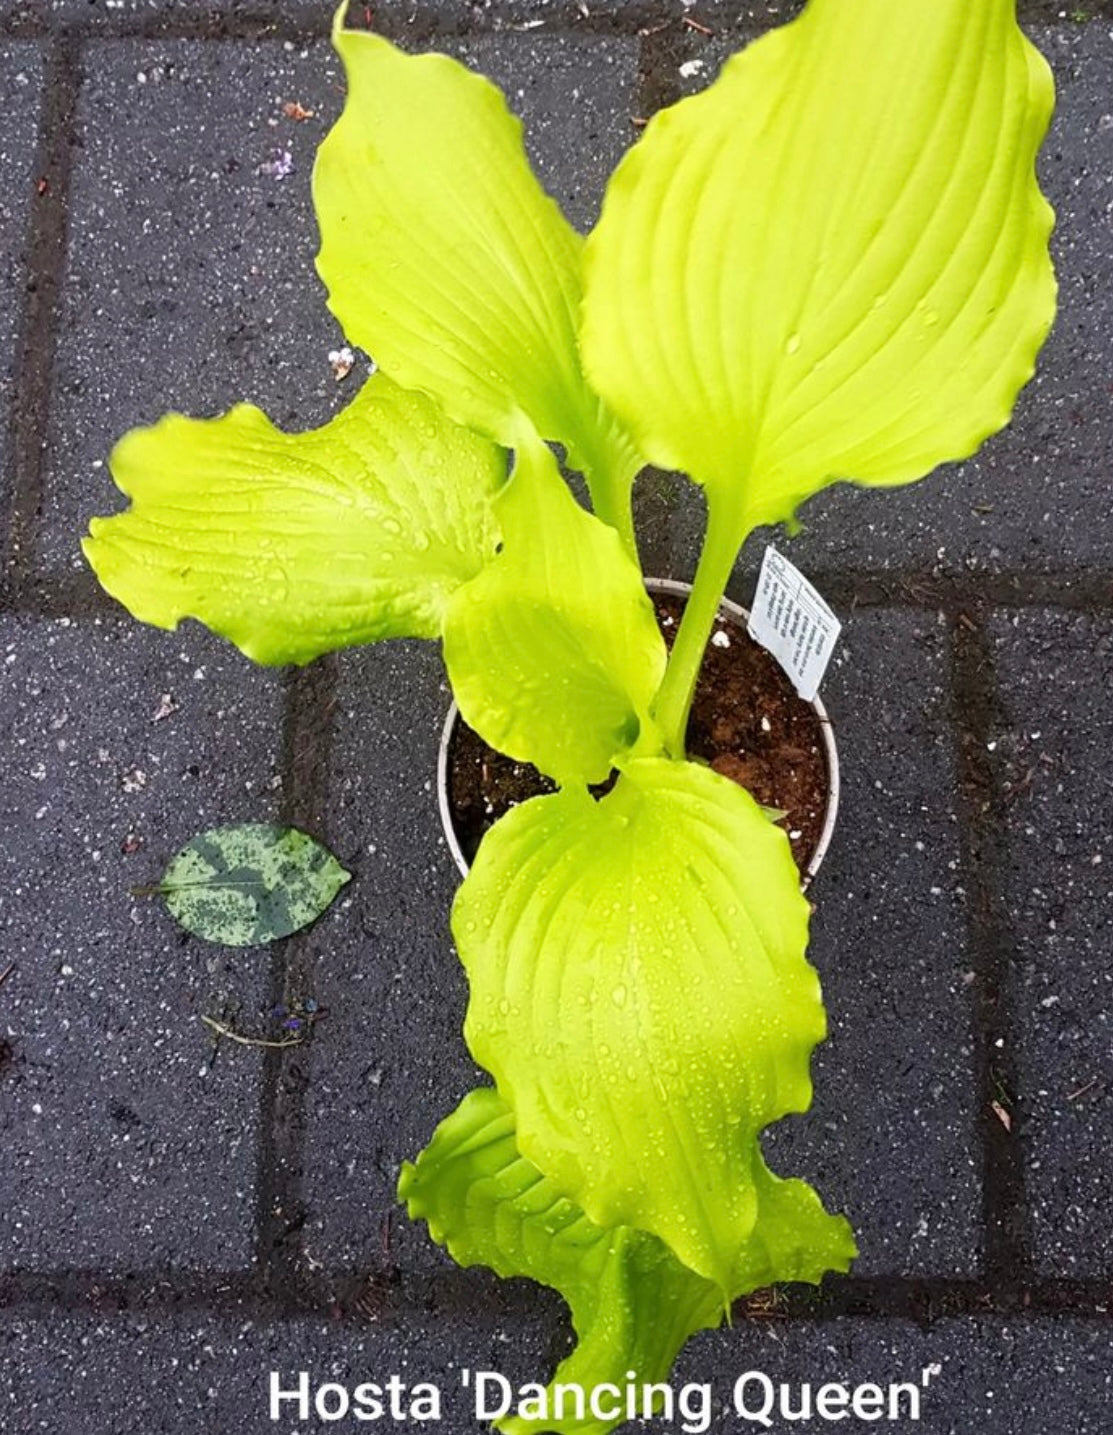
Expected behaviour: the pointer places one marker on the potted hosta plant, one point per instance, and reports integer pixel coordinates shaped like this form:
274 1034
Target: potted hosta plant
830 265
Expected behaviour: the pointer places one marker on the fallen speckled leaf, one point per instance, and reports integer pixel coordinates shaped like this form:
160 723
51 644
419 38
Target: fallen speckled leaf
250 883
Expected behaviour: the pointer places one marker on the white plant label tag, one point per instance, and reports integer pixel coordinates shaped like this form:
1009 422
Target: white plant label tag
790 620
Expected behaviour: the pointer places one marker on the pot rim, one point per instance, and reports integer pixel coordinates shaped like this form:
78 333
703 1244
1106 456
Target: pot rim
741 616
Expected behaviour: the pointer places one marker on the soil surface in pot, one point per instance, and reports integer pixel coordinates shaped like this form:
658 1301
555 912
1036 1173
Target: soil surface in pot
747 723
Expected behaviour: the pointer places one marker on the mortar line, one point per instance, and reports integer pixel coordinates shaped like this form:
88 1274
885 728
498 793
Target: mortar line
981 810
418 22
279 1205
37 335
424 19
76 595
452 1295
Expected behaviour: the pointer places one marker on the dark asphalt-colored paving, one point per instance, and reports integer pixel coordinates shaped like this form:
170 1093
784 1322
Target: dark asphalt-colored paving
173 1227
890 1138
1052 745
577 96
190 281
20 83
983 1375
115 1132
387 971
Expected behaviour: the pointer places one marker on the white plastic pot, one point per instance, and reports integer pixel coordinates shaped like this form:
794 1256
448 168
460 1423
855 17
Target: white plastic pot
740 617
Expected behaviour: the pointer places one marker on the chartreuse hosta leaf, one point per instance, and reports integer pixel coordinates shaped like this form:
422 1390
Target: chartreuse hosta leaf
446 260
553 650
295 544
640 993
833 263
633 1304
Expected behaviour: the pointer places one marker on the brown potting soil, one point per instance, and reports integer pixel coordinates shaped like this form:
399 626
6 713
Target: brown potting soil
746 722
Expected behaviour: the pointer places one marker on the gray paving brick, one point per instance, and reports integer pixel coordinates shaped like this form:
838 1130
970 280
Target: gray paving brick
1055 673
391 1062
578 98
994 1376
139 1376
130 1375
191 281
102 15
890 1138
123 1146
1011 507
776 12
20 85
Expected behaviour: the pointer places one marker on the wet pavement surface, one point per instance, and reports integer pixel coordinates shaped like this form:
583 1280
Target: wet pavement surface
177 1222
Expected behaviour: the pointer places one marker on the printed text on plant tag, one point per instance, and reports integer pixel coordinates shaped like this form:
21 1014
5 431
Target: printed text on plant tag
790 620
